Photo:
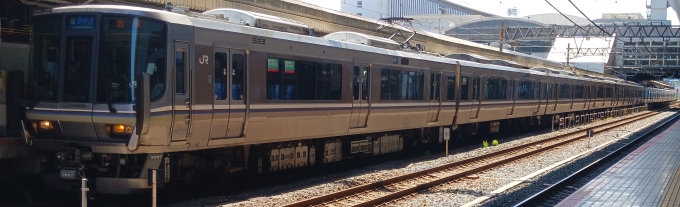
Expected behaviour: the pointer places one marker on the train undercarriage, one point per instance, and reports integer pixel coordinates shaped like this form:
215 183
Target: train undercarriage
65 168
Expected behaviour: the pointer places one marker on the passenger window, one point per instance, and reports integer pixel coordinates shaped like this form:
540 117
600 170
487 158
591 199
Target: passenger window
238 65
565 91
180 86
401 85
451 88
475 88
434 86
364 83
220 76
578 91
495 89
526 90
464 88
304 80
355 83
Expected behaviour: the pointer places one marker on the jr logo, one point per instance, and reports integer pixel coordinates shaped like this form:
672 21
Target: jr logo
204 60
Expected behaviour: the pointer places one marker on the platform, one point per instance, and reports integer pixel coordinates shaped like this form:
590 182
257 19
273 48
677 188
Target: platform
648 176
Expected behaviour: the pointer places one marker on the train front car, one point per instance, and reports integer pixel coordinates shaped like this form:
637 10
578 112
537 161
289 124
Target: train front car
82 99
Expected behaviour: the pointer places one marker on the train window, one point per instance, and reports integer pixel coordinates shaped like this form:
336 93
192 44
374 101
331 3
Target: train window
77 75
578 91
526 90
298 154
451 87
355 85
364 83
180 86
434 86
301 80
512 90
220 76
404 61
306 75
238 65
544 90
273 79
43 72
565 91
600 92
401 85
609 92
475 88
464 88
495 89
124 50
414 85
390 84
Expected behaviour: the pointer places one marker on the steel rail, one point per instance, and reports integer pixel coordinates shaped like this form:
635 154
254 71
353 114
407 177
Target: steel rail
353 196
534 199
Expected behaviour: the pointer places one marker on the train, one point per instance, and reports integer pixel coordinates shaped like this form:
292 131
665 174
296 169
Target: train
116 91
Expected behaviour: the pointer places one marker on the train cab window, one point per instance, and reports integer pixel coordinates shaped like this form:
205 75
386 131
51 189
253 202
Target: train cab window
565 91
238 64
434 86
578 91
464 88
526 90
77 73
496 88
125 49
220 85
451 87
43 71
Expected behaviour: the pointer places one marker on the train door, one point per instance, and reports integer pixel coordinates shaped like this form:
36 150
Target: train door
236 88
435 95
181 110
476 102
229 68
361 97
511 96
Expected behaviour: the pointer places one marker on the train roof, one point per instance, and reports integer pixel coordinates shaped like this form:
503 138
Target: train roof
220 23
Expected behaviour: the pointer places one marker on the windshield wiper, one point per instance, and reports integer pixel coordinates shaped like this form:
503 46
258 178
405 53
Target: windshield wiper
108 98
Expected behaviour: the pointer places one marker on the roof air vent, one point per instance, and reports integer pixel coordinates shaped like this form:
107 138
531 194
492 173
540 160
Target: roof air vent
261 20
359 38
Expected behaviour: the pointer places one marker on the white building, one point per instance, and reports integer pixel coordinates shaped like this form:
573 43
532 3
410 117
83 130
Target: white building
377 9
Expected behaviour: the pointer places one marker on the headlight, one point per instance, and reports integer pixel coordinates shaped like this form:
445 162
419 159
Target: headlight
118 130
44 127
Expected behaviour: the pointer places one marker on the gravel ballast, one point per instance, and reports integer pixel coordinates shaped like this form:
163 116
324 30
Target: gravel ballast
454 194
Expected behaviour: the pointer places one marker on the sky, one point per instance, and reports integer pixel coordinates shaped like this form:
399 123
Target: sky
592 8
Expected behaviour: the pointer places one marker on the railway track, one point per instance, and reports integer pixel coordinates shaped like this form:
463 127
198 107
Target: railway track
390 191
555 193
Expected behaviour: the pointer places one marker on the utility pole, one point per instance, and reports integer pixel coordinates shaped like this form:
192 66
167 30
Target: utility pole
568 51
500 44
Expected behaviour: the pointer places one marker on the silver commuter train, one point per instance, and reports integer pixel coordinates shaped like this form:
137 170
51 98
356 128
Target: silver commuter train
217 97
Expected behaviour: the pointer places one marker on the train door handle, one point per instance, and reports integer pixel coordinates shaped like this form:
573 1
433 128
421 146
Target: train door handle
187 101
187 120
